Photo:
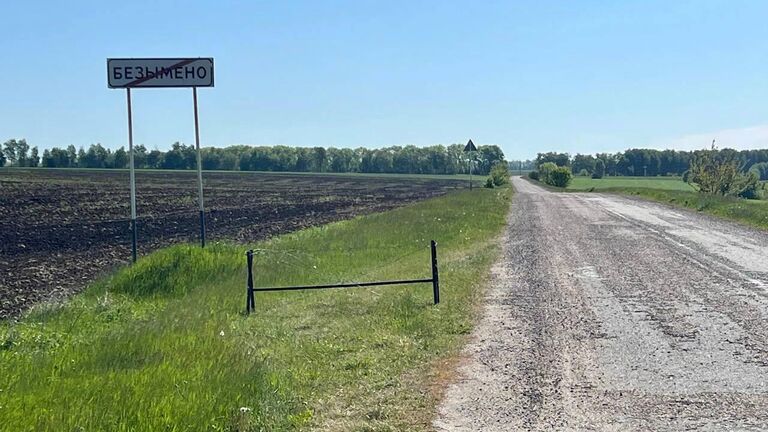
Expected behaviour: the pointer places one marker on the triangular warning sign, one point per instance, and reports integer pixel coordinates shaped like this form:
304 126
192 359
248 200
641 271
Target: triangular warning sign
470 147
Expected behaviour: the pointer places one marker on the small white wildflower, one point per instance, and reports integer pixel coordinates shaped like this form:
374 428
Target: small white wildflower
245 410
314 267
221 333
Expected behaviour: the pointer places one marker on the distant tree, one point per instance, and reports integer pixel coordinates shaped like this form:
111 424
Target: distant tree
229 161
177 157
9 150
525 165
2 158
211 158
283 158
71 156
34 158
342 160
583 163
304 159
154 159
96 157
139 156
48 161
22 148
55 158
489 155
16 152
761 169
120 158
319 159
559 159
599 169
81 156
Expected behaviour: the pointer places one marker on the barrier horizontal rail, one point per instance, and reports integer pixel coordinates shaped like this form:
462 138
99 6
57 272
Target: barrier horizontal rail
250 302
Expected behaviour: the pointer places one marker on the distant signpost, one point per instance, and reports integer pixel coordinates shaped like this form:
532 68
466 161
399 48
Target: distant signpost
128 73
469 148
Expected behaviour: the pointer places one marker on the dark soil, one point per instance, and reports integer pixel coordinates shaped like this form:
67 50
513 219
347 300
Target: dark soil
60 229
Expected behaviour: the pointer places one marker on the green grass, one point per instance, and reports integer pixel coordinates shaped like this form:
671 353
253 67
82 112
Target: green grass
749 212
580 183
164 345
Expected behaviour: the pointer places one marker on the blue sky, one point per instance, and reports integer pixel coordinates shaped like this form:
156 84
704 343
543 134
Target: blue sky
530 76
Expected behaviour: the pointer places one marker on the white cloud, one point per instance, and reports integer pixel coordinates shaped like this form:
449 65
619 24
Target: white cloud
754 137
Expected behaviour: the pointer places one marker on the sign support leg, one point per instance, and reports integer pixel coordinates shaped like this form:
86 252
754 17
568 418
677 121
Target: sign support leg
470 171
199 171
132 177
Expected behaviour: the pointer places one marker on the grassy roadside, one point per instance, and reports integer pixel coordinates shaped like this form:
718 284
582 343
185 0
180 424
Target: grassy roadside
750 212
580 183
163 345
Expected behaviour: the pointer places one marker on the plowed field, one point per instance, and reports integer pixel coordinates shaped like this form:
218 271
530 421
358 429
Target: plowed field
60 229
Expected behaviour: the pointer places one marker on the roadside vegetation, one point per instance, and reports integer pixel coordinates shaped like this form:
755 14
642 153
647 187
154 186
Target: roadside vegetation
716 182
553 175
582 184
499 176
642 162
164 345
750 212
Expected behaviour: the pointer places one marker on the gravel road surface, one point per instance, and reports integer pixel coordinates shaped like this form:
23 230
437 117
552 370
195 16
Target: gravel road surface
610 313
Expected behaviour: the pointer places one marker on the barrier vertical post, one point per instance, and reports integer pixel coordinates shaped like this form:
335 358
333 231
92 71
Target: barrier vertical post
435 276
250 303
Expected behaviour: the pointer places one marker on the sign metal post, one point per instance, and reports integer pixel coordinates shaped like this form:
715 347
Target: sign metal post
132 177
131 73
470 149
199 171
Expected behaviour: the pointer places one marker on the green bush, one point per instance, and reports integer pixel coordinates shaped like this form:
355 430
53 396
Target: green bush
545 169
533 175
499 174
715 174
749 186
489 183
559 177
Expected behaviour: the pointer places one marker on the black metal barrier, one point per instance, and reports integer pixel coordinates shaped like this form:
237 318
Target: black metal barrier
250 301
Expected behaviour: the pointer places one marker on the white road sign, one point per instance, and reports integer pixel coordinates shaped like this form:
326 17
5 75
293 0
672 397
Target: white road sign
159 72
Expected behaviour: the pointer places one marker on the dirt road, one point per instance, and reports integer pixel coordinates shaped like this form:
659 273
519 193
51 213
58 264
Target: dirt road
610 313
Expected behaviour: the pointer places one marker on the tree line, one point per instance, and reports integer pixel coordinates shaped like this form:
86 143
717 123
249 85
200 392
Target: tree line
647 162
436 159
